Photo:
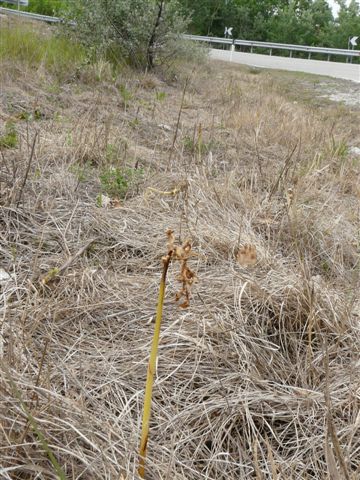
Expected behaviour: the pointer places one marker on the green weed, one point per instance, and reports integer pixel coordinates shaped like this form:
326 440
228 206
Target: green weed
69 139
160 96
116 182
197 145
125 94
134 123
10 138
112 152
99 200
81 172
339 149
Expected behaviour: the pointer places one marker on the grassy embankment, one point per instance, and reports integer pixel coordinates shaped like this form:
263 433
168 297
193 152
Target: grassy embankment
259 377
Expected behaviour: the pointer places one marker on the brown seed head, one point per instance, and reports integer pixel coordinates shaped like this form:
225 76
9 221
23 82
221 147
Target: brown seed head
247 255
186 277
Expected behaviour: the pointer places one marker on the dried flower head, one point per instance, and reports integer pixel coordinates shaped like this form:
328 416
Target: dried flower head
247 255
115 203
290 197
187 277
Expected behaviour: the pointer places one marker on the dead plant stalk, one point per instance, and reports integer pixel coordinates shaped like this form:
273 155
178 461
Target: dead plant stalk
152 368
186 277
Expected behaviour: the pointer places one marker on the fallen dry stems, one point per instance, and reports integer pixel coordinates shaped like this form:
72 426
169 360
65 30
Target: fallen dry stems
34 425
27 170
176 132
56 271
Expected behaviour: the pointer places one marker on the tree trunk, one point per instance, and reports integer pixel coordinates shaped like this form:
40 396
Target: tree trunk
150 54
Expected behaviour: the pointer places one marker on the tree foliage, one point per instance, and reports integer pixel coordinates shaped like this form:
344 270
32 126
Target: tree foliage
308 22
142 31
348 23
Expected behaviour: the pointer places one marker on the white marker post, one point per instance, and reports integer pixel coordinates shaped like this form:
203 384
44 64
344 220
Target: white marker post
228 33
353 42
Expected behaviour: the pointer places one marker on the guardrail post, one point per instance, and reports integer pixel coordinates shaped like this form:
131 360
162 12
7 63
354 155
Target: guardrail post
232 50
309 56
270 52
290 53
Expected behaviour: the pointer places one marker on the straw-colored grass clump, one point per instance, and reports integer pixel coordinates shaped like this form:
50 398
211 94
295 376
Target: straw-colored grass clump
259 377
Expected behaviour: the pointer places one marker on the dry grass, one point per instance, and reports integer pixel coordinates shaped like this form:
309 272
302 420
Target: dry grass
259 378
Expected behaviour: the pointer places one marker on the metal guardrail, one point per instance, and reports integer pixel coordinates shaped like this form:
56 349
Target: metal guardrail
218 40
31 16
18 3
299 48
199 38
276 46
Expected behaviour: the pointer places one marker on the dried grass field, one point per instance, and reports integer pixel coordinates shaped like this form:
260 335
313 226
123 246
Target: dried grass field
259 378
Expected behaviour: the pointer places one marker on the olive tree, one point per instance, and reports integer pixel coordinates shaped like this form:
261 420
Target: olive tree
142 31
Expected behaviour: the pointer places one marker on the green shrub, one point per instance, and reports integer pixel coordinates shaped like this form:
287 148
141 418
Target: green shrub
144 32
116 182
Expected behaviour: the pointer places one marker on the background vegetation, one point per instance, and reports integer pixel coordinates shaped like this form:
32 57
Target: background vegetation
304 22
22 44
45 7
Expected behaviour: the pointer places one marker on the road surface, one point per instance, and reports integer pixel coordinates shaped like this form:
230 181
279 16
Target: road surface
346 71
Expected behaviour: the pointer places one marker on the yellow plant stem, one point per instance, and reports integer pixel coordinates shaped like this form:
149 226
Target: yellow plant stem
151 370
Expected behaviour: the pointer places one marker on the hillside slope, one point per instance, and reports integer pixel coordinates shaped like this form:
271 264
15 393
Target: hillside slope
259 377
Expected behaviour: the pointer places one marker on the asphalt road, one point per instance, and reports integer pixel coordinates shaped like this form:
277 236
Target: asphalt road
346 71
